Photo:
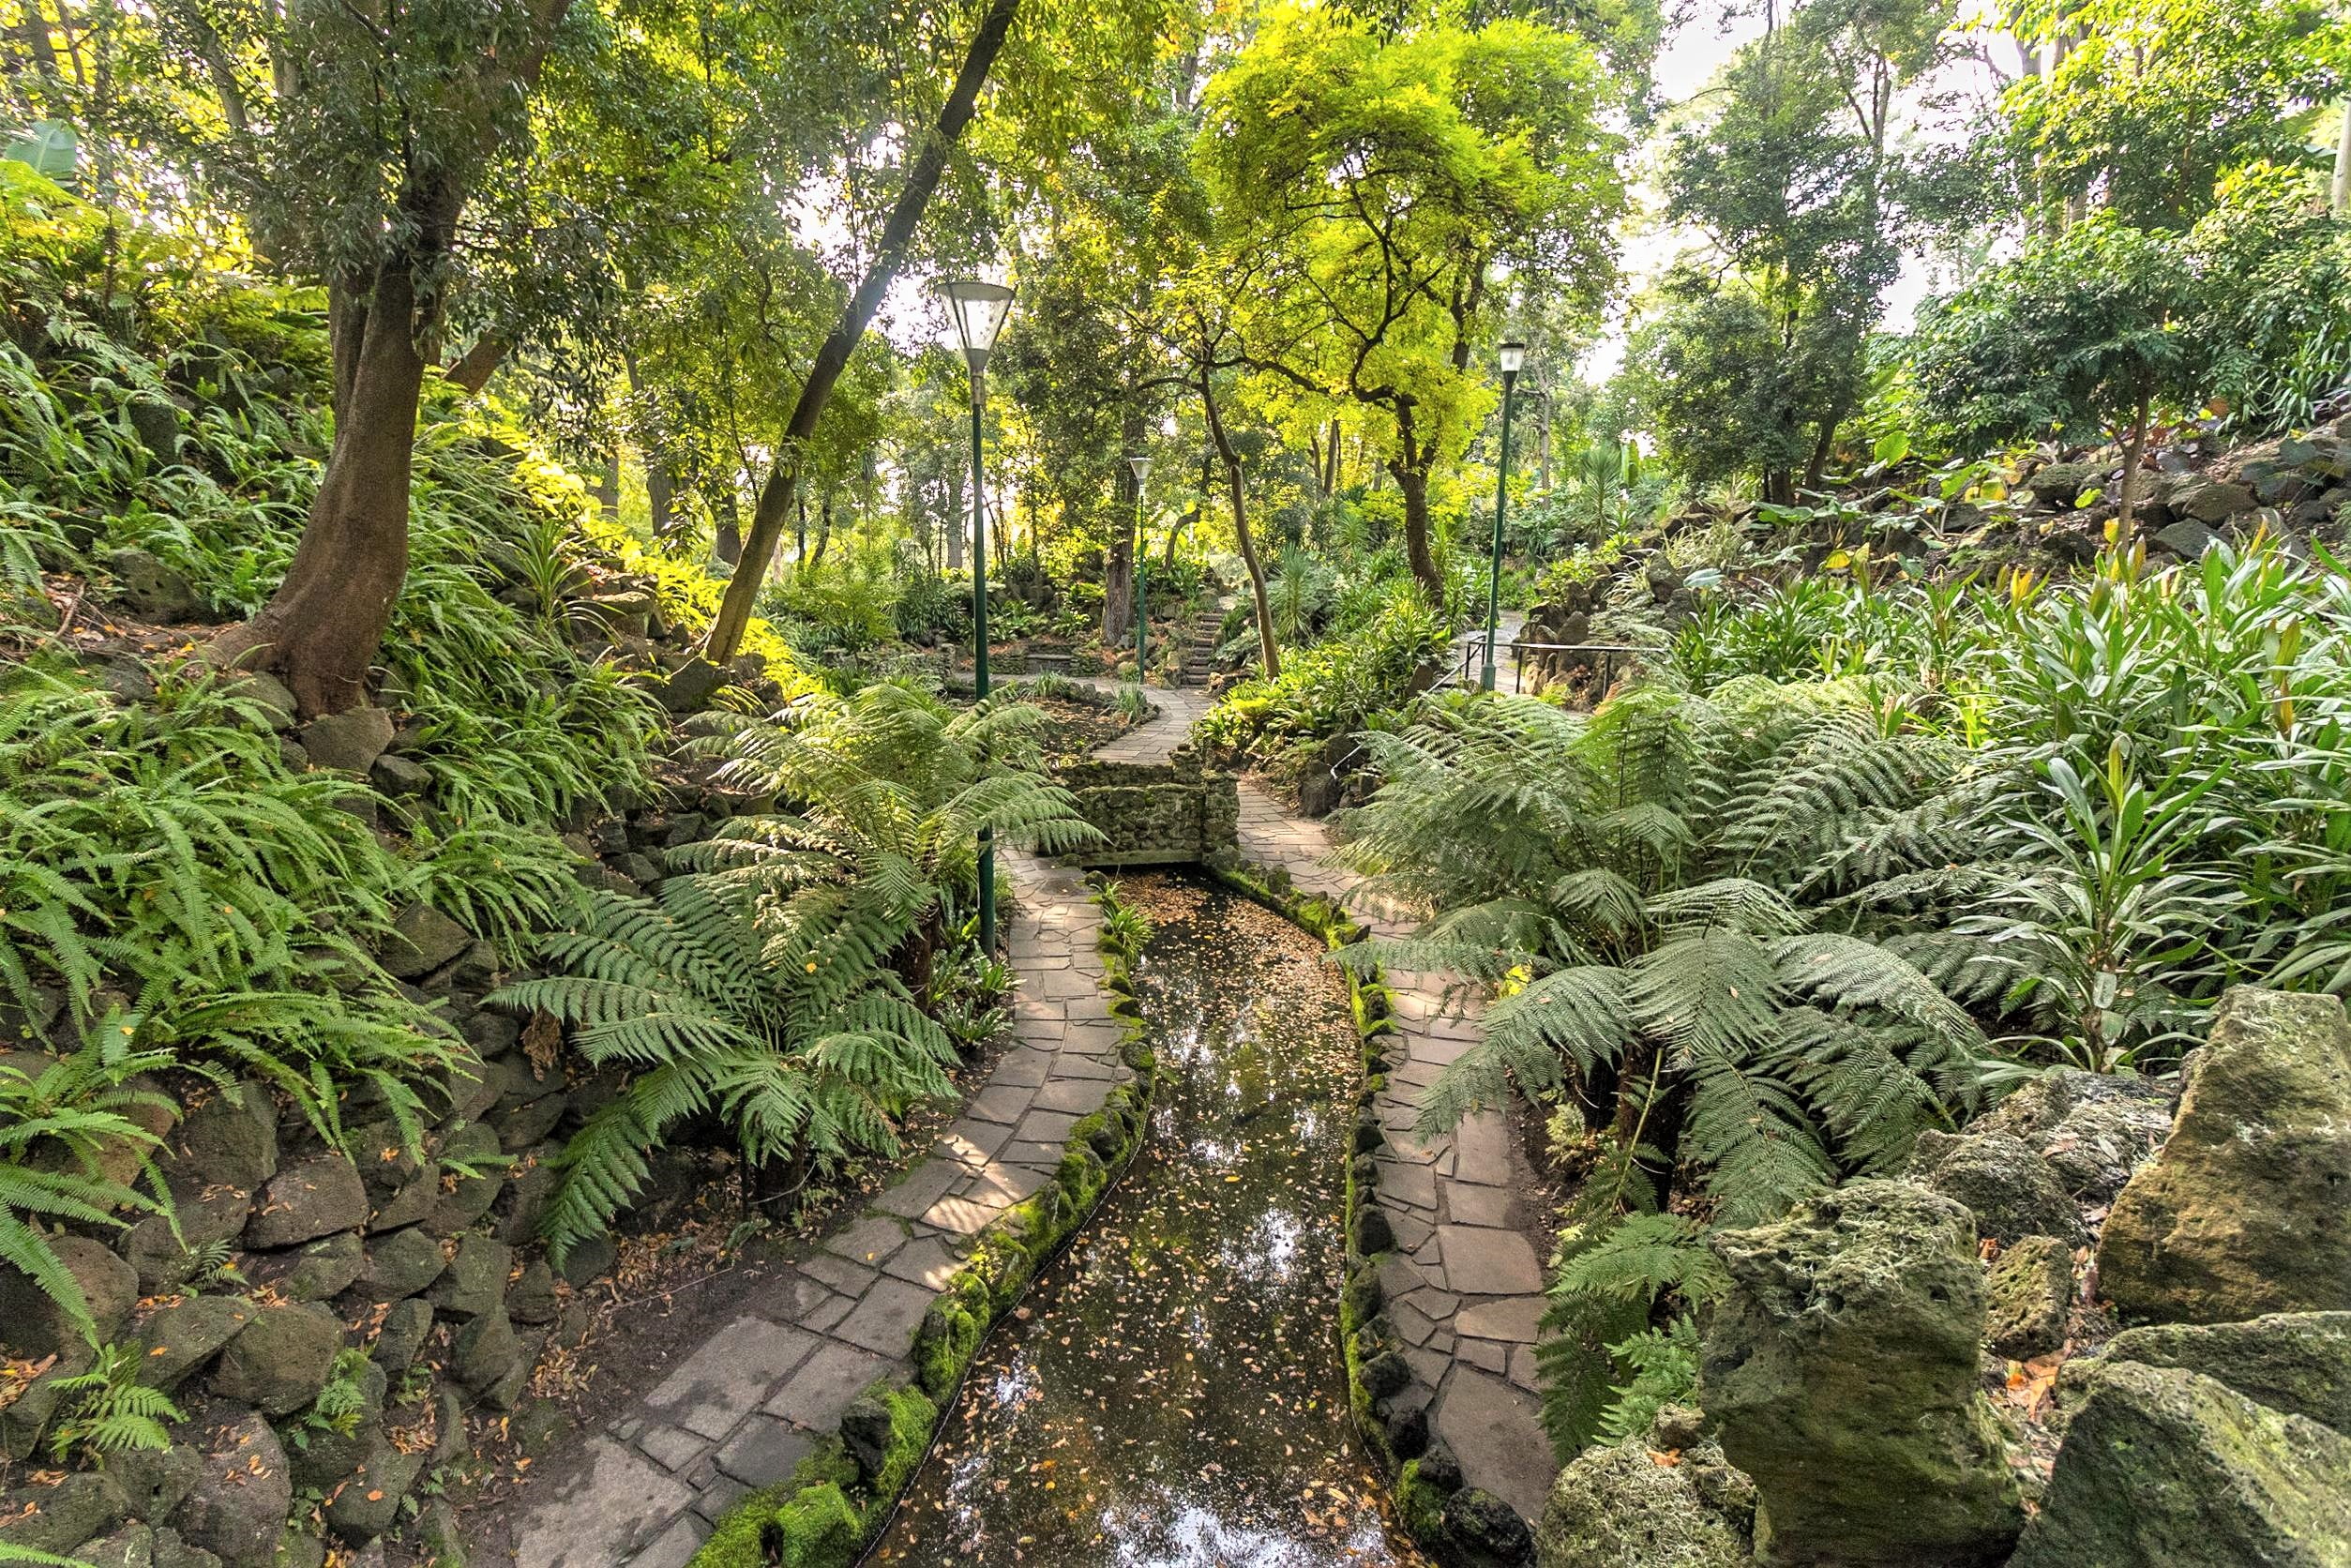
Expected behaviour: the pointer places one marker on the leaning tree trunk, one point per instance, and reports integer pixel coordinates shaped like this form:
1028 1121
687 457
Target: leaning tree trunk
320 630
896 240
1269 650
2126 505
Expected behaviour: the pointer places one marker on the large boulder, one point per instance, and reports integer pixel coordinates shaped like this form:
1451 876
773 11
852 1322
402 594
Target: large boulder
2164 1468
151 590
402 1264
2094 1129
242 1494
422 939
310 1199
1841 1370
474 1281
56 1514
2000 1179
2028 1295
2296 1362
33 1324
350 741
231 1140
281 1360
2244 1212
1628 1506
179 1339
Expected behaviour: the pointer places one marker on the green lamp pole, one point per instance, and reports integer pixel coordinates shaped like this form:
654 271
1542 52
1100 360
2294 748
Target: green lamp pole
1514 357
979 309
1141 466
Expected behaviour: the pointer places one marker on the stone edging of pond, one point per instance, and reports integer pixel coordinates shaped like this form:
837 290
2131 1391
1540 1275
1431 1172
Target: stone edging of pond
1445 1517
838 1499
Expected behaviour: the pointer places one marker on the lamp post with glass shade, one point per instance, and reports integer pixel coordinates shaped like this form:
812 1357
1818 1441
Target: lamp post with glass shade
1514 357
1141 466
979 309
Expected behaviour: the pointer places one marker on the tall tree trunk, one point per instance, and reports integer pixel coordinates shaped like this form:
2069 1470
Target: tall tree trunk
660 490
824 532
2134 450
1823 447
1269 651
727 529
1412 481
832 358
1118 584
322 627
799 531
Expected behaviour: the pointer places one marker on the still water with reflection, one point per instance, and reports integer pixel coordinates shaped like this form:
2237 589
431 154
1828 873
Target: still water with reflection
1171 1394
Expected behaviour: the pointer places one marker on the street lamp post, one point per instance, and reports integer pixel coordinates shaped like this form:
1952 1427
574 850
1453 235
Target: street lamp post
979 309
1512 356
1141 466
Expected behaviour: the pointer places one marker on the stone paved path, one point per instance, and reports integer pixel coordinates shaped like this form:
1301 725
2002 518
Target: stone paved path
749 1402
1465 1286
1467 1282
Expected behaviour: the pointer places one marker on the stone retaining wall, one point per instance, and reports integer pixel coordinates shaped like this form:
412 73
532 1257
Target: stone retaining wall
1171 813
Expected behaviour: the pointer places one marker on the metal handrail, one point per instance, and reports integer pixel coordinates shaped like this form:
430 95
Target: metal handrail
1606 654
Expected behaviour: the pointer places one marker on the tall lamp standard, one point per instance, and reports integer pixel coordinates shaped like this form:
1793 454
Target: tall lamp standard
979 309
1141 466
1513 358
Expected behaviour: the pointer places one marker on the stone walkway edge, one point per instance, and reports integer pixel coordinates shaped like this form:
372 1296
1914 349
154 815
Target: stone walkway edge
808 1412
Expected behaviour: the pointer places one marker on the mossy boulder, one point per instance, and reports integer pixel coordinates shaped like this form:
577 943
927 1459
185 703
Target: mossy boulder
2093 1129
280 1361
58 1514
1623 1507
243 1490
310 1199
1841 1371
34 1325
2028 1294
2298 1363
2244 1212
2002 1181
185 1335
2164 1468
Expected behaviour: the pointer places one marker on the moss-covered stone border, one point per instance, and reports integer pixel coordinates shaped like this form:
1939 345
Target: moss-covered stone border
838 1500
1419 1485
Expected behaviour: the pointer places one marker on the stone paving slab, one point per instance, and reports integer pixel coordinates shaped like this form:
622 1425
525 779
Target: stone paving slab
1466 1285
748 1404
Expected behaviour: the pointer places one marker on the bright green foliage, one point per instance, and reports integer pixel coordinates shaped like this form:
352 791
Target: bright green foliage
53 1127
781 985
112 1410
1664 1367
1334 687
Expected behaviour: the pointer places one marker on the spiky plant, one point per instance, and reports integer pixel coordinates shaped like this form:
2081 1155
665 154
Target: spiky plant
780 986
1655 874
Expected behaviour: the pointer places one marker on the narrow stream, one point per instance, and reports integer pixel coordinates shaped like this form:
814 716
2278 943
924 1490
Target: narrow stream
1171 1394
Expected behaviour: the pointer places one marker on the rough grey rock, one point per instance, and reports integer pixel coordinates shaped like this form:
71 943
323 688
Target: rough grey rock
59 1516
2187 538
34 1326
2093 1129
487 1357
279 1364
1841 1370
179 1339
2296 1363
2209 500
131 1547
368 1503
312 1197
402 1336
2028 1294
330 1457
242 1493
690 687
316 1270
422 939
1617 1507
402 1265
397 777
2244 1212
476 1281
2060 484
151 590
266 692
349 741
475 1145
2000 1180
231 1140
532 1298
156 1479
162 1260
1486 1532
2164 1468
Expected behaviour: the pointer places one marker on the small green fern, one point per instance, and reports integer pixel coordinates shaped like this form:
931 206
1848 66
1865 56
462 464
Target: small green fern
110 1410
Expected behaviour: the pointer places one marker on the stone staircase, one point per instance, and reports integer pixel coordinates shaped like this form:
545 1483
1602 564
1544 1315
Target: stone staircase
1199 648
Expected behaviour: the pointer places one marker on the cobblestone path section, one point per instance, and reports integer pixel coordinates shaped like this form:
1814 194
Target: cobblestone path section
742 1409
1465 1284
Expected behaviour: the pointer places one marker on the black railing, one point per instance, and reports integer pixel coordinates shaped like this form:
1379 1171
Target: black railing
1601 658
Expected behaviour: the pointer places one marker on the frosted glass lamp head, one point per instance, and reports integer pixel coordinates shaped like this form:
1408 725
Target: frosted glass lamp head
1141 466
979 309
1513 357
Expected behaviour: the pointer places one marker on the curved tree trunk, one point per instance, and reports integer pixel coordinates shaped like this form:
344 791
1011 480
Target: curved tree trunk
1413 482
1269 651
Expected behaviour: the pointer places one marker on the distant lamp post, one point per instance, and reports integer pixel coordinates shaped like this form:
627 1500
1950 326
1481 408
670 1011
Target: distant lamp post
1141 466
1514 359
979 309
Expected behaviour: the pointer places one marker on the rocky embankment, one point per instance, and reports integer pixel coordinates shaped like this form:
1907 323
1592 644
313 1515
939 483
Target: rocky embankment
2096 1330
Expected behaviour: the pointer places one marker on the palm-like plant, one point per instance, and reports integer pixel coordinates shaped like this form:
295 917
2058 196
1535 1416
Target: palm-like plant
1671 883
782 984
